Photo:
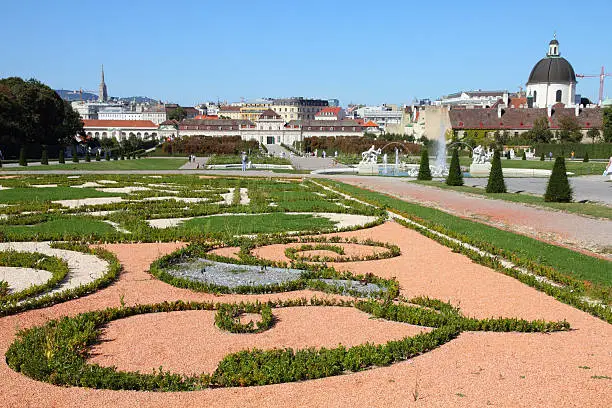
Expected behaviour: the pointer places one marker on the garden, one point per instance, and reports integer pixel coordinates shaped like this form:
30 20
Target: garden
201 290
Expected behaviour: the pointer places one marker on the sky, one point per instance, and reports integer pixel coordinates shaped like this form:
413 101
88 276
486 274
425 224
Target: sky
357 51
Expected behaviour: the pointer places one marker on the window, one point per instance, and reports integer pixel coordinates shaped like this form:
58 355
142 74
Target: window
558 96
535 96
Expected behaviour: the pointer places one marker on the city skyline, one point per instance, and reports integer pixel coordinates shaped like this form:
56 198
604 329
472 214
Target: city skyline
210 51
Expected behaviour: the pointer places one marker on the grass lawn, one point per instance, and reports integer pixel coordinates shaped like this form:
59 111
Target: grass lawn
254 224
578 167
593 210
137 164
31 194
564 260
61 228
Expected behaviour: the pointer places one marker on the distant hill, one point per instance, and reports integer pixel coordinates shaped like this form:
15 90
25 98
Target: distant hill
71 95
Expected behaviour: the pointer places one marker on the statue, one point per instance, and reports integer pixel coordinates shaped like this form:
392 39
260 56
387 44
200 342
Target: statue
479 155
370 155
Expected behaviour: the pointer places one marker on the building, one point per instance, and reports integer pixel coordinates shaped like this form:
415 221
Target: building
552 80
474 98
120 129
190 111
297 108
383 115
230 112
330 113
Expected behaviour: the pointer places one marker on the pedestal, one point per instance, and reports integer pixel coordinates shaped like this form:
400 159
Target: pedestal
482 169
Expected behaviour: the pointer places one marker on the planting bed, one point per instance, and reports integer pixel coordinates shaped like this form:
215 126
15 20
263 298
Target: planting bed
379 314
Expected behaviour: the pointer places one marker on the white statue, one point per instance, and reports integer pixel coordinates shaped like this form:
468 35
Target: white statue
370 155
478 155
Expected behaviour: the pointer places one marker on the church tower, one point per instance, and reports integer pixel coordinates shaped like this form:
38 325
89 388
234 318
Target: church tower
102 94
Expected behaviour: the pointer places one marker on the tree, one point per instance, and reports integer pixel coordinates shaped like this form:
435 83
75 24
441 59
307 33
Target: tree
569 129
593 133
98 155
44 159
542 158
455 178
23 161
75 156
524 156
496 182
586 157
540 132
606 128
178 114
424 170
558 189
87 156
61 156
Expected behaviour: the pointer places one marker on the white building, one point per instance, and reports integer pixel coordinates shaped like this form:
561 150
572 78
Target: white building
383 115
552 80
474 98
330 113
120 129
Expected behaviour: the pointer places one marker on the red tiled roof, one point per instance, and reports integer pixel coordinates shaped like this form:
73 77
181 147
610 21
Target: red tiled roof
370 124
518 101
269 114
207 117
228 108
329 111
96 123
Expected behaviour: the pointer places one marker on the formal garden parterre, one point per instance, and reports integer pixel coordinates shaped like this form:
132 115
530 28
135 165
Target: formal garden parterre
235 282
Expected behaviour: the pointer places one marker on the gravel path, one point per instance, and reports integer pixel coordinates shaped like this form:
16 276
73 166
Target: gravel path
82 268
476 369
560 228
19 279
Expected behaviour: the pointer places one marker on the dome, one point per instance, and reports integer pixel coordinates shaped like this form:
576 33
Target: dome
555 70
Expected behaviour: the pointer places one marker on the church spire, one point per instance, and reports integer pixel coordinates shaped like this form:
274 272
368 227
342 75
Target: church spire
103 94
553 47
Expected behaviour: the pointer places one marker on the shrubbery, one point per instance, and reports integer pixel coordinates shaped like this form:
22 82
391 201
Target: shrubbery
558 189
352 144
424 170
455 177
496 176
208 145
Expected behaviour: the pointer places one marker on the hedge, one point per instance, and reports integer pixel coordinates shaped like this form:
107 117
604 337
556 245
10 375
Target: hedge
596 151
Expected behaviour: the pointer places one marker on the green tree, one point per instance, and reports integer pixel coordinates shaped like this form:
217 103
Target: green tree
524 156
178 114
569 129
540 132
61 156
44 159
593 133
424 170
454 178
606 127
586 157
23 161
496 182
75 156
542 158
558 189
87 156
98 155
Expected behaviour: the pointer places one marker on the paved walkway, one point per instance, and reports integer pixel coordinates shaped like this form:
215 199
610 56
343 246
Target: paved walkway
199 163
571 230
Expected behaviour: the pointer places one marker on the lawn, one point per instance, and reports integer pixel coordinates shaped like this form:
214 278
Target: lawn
134 164
31 194
58 229
589 209
254 224
578 167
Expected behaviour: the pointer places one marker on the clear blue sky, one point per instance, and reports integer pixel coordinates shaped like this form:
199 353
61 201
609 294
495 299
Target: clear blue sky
358 51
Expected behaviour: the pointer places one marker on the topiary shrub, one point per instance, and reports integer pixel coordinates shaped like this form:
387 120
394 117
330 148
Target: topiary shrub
455 178
61 158
75 156
98 158
542 157
23 161
496 176
558 189
586 157
524 156
44 158
424 170
108 156
87 157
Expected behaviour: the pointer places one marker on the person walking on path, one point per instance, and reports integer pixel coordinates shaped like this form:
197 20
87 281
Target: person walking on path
244 161
550 156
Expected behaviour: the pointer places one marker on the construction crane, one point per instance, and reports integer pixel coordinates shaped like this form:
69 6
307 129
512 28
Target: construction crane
601 76
80 92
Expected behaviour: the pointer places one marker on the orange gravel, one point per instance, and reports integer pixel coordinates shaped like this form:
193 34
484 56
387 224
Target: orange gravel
476 369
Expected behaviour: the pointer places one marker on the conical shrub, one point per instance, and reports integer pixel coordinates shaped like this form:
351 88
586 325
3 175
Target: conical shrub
542 157
87 156
75 157
496 182
455 178
424 170
586 157
558 189
524 156
98 158
44 158
23 161
61 158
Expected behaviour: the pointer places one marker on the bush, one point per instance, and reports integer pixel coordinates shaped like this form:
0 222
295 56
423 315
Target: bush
61 158
586 157
98 158
424 170
558 189
455 178
524 156
596 150
496 176
23 161
542 158
87 157
44 158
75 156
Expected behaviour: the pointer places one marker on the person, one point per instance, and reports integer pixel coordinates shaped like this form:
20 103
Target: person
572 155
244 161
324 154
608 169
550 156
336 154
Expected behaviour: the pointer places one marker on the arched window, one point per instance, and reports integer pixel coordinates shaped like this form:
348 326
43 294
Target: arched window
558 96
535 96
